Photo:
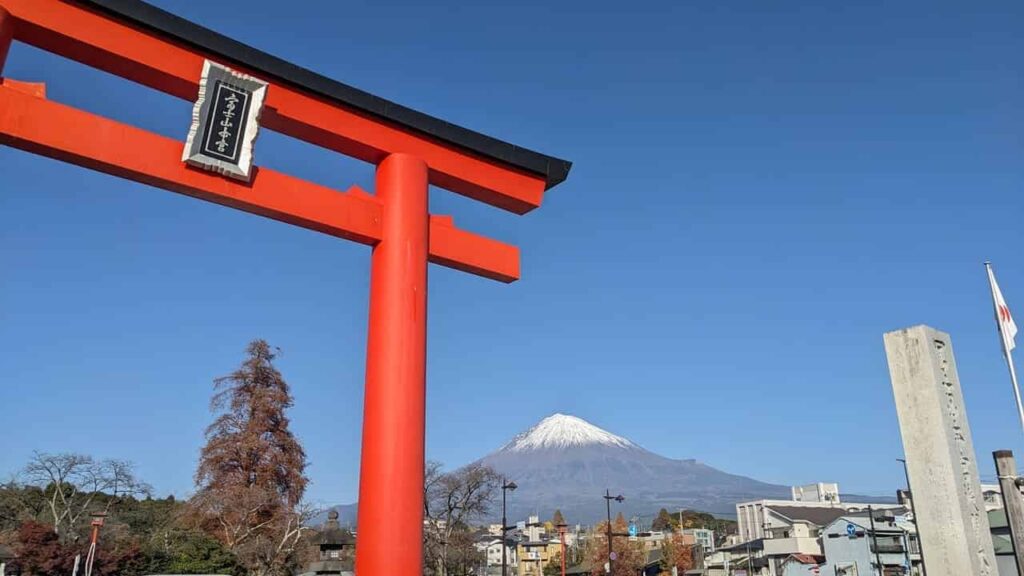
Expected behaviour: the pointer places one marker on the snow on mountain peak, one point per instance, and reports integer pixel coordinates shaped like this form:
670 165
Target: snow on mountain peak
564 431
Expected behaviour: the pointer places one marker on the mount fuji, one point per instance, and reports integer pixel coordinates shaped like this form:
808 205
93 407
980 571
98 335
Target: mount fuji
567 463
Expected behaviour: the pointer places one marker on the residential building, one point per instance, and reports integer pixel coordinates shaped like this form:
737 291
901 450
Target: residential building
818 492
803 565
744 558
787 530
653 540
1006 564
855 545
751 516
992 495
717 563
703 537
535 555
491 547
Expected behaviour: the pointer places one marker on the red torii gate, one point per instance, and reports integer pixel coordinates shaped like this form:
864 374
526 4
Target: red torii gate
154 48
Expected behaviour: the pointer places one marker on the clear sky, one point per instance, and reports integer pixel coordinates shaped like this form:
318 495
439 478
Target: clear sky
760 190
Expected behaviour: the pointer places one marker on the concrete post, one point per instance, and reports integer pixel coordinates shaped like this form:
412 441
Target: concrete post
951 520
1006 469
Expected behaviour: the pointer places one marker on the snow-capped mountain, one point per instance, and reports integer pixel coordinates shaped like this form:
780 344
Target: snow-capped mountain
564 431
566 462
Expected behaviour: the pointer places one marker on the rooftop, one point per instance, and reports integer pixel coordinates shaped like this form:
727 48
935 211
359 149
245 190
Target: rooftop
806 559
818 515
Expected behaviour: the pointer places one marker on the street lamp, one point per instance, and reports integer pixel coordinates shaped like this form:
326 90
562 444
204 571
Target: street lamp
608 506
505 487
920 545
96 524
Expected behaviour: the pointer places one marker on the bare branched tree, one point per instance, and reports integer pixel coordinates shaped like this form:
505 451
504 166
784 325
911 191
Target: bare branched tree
72 483
452 501
265 536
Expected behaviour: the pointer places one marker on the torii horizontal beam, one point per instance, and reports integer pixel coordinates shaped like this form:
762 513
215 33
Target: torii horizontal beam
173 66
30 122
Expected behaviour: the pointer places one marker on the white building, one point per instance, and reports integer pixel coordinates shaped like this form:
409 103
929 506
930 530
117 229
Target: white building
702 536
491 547
819 492
993 496
778 529
752 520
853 548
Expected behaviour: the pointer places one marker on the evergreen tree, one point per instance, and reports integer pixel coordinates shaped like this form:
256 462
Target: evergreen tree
251 474
557 519
663 521
249 444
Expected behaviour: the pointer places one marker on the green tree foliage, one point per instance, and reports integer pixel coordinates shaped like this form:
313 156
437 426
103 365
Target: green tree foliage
554 565
140 536
695 519
184 551
663 522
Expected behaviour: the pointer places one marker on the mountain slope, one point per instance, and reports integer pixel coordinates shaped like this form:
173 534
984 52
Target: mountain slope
566 462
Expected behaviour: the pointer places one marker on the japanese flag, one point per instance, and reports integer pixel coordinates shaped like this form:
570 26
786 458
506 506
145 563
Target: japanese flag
1007 327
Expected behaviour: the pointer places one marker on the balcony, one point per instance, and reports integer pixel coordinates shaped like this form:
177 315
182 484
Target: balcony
883 548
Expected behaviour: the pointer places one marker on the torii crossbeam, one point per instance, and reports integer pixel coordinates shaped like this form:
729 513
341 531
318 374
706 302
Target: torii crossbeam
411 150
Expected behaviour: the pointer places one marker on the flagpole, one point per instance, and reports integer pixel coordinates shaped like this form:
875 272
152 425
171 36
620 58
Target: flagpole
1006 348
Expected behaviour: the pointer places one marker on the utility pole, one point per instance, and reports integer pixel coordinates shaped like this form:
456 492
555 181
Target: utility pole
750 564
608 507
906 553
505 486
1009 485
874 542
917 525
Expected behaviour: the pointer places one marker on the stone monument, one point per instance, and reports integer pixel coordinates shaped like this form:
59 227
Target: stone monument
335 545
943 470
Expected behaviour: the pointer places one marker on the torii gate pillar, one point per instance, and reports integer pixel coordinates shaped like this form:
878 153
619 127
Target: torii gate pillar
395 397
6 36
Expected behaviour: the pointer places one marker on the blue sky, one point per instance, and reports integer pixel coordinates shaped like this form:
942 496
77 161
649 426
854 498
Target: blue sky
760 190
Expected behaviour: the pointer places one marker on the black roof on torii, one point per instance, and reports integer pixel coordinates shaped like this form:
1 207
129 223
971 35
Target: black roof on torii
553 170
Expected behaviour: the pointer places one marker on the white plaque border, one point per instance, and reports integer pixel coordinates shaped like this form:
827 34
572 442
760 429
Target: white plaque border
192 153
